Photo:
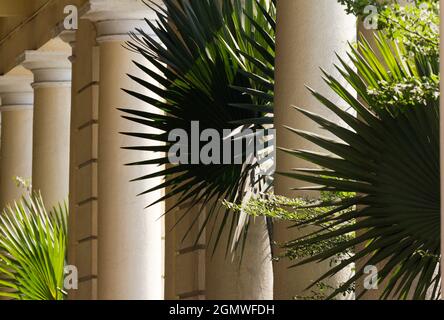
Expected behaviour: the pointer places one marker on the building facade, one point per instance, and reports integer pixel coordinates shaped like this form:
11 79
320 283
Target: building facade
63 64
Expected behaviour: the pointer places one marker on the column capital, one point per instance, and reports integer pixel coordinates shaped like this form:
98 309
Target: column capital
116 18
49 68
16 92
101 10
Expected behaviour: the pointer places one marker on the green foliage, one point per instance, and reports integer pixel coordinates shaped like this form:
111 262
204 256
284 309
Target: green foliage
414 34
196 50
405 93
33 246
417 26
252 46
320 291
415 23
398 80
300 211
24 183
357 7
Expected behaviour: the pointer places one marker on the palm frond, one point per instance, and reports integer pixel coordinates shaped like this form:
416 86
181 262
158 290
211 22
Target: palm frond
33 246
390 155
255 49
193 49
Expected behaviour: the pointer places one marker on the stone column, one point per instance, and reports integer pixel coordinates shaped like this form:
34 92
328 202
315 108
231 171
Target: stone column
232 277
308 35
16 135
70 38
52 101
130 255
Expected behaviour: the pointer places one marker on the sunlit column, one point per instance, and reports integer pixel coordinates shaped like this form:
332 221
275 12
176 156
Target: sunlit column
242 274
130 259
308 35
52 101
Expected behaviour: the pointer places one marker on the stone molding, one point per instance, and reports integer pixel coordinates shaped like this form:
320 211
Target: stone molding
49 68
16 92
115 19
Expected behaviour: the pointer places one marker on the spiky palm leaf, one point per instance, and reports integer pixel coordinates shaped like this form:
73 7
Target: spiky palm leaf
32 250
251 41
197 77
389 156
254 49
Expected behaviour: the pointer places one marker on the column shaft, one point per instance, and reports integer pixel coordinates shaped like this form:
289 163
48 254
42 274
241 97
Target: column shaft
51 142
15 152
130 245
251 278
16 136
51 127
308 35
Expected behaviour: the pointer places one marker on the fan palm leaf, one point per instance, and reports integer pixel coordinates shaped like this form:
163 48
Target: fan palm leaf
196 79
255 51
389 157
32 250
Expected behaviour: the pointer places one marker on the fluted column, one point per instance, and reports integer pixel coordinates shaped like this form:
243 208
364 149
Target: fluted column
130 259
16 135
308 34
52 101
